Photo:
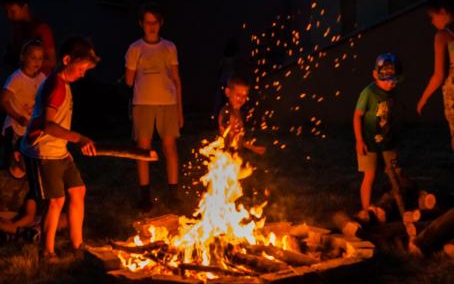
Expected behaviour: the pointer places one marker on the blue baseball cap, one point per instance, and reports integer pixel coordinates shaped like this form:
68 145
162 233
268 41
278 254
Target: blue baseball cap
387 67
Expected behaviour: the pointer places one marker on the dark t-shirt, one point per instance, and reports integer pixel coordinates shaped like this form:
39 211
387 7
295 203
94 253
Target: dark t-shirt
377 106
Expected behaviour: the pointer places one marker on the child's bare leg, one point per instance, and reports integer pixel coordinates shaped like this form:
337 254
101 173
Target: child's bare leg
366 188
142 166
76 214
169 145
54 208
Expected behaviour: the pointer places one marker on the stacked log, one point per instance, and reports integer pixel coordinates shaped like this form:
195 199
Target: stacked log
345 224
437 233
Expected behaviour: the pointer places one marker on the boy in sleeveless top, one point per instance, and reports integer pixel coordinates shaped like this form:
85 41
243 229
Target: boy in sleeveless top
441 13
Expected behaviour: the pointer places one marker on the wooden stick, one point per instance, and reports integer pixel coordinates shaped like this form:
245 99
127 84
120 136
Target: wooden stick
137 249
289 257
203 268
127 153
258 263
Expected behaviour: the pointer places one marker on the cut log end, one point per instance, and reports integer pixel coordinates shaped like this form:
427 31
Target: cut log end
426 201
448 249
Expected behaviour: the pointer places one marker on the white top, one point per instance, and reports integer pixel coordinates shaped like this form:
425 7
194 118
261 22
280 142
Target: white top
24 89
54 93
153 83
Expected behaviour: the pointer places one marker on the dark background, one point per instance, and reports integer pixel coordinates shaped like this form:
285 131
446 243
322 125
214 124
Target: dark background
201 28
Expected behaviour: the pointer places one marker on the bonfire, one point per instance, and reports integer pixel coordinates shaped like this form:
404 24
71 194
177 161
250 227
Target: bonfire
224 237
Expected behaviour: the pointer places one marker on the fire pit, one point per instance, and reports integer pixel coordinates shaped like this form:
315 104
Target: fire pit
225 242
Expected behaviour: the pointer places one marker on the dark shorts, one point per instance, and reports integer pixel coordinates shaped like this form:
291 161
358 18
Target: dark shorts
51 178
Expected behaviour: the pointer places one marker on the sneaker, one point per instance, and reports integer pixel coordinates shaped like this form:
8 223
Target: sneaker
49 258
363 216
379 213
79 253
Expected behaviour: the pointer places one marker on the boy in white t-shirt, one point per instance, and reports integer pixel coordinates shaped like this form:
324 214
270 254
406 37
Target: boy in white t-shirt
17 99
152 69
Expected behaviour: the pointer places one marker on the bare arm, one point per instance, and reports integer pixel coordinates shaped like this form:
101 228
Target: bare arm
361 147
177 82
52 128
5 102
256 149
439 70
130 76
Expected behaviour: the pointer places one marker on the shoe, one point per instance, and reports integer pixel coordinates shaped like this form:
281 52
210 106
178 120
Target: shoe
379 213
363 216
79 253
49 258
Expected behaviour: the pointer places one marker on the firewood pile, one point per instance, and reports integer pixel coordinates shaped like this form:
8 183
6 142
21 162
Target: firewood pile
312 250
418 221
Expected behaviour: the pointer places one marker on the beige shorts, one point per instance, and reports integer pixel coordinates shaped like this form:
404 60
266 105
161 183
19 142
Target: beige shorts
145 117
369 161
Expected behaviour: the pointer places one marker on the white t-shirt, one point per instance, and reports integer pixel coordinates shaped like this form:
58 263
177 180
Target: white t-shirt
24 90
54 93
153 83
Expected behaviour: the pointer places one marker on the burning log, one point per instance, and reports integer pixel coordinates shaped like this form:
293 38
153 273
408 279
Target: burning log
213 269
289 257
345 224
137 249
128 153
258 263
437 233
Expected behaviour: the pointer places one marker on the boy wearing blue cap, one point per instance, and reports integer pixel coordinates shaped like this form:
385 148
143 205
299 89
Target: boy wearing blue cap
373 127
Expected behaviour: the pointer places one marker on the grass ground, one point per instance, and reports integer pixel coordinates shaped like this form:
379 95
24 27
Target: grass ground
307 181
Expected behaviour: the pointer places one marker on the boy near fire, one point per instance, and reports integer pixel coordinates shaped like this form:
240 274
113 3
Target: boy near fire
373 128
230 119
51 170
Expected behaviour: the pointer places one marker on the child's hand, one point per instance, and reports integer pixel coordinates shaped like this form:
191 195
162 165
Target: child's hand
260 150
361 148
87 146
420 106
